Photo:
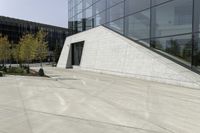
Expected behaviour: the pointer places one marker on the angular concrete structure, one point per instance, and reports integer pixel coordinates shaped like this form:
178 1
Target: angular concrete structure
109 52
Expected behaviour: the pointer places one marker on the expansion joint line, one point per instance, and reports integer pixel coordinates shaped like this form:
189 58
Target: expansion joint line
24 108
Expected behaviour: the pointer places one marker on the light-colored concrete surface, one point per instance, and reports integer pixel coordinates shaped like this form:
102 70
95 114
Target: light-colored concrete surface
74 101
108 52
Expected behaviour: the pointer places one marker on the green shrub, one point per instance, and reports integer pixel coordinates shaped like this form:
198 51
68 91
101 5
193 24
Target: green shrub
4 69
1 74
16 70
41 72
19 70
26 68
11 70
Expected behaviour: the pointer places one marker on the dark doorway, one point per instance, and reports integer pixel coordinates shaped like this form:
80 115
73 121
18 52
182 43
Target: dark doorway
77 49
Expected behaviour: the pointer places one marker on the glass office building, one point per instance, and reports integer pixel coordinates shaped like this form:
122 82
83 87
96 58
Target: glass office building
169 27
14 29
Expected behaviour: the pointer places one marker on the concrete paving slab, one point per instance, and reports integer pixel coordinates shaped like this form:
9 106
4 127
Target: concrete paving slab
74 101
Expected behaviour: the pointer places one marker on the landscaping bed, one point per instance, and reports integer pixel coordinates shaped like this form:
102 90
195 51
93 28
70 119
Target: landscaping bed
21 71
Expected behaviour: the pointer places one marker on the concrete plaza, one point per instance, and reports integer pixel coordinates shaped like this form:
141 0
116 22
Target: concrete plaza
74 101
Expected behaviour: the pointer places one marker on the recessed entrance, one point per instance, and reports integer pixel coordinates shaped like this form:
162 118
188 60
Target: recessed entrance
77 49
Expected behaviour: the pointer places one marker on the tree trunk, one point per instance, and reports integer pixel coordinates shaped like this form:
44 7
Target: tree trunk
27 61
4 62
41 63
10 62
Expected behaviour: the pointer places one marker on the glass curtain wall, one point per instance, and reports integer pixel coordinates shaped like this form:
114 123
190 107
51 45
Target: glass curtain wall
170 27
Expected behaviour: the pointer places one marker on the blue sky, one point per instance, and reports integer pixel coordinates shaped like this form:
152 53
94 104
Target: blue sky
53 12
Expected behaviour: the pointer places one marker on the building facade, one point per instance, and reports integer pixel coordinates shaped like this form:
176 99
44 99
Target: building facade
14 29
168 27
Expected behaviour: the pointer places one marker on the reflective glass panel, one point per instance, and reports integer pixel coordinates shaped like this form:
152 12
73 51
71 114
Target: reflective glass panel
137 26
87 3
80 7
117 25
196 52
89 23
156 2
172 18
113 2
115 12
89 12
133 6
178 46
100 6
100 18
196 15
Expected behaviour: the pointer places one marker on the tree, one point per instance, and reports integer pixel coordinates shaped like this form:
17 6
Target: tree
57 52
5 53
16 53
27 48
41 50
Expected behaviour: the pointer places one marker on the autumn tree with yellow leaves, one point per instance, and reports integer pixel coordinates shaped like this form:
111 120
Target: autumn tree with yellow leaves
5 51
